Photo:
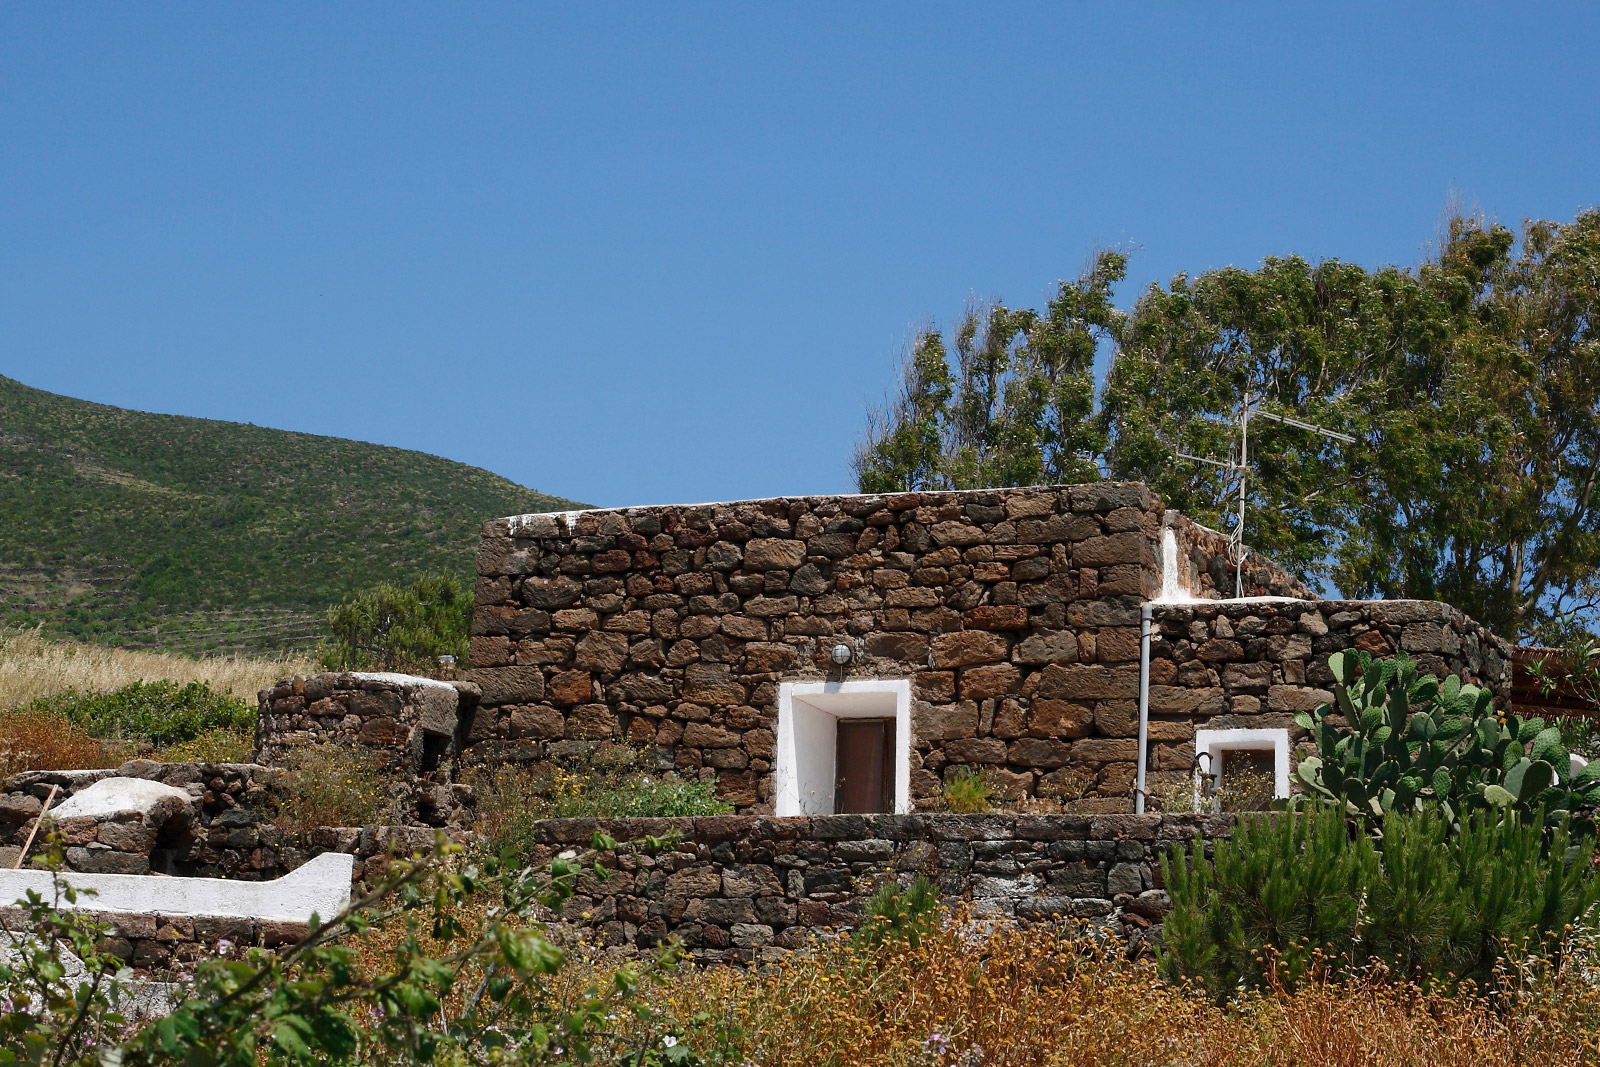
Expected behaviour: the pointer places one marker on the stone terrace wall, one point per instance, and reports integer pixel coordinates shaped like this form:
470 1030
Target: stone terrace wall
1255 664
742 888
1014 613
168 946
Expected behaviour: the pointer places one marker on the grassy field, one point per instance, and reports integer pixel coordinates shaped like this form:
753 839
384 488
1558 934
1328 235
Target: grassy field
161 531
32 666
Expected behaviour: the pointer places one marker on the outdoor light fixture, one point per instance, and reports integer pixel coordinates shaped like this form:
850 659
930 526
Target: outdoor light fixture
841 653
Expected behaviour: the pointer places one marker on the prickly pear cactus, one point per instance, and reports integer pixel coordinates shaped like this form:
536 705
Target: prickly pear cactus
1394 741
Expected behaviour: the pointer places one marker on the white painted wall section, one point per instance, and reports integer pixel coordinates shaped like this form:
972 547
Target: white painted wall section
321 887
808 714
1216 744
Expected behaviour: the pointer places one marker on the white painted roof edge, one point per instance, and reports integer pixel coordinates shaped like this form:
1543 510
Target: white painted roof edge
320 887
400 679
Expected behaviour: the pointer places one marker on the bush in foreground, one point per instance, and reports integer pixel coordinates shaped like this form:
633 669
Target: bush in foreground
447 963
1426 901
1030 997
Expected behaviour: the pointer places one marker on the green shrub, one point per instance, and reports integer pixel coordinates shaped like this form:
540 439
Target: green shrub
332 785
160 712
394 627
892 913
1284 884
969 792
1427 900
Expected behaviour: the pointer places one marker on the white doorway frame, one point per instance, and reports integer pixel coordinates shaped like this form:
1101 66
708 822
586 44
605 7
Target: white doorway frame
808 714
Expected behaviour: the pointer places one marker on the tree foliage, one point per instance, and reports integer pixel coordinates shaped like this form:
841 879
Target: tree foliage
394 627
1470 381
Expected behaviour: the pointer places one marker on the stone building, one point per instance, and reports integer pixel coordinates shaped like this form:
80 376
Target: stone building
849 654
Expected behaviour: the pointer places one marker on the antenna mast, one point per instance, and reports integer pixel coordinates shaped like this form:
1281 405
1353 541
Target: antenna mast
1242 469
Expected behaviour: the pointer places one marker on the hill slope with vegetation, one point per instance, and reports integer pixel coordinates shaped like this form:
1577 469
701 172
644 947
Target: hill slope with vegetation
195 534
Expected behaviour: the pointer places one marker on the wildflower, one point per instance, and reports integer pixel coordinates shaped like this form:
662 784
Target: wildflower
669 1041
937 1043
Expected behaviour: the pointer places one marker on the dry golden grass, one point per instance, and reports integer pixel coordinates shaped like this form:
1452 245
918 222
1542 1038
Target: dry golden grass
1047 997
32 666
1037 998
39 741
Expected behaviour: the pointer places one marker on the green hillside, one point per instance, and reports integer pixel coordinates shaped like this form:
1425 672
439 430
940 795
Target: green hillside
181 533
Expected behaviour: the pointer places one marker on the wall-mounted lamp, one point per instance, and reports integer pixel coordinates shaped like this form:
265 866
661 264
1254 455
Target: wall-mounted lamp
841 653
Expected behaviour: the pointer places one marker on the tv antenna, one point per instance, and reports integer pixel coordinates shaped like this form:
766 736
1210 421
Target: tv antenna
1242 469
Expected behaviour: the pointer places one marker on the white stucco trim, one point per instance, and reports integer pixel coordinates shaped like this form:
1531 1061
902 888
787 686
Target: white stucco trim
321 886
804 768
1215 744
392 678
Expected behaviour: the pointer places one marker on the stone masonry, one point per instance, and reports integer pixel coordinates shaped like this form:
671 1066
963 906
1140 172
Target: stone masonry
1258 663
744 888
413 721
1014 613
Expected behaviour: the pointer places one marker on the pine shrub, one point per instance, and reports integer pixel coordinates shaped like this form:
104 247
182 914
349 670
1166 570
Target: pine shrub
1301 891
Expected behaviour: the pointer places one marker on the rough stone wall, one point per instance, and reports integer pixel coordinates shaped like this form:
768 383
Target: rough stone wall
1014 613
412 720
743 888
1206 560
226 833
215 836
1255 664
168 946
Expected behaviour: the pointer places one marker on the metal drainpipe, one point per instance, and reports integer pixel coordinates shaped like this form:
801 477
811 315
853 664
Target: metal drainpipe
1146 611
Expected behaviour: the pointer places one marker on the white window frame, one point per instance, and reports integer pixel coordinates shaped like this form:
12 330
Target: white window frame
806 763
1214 746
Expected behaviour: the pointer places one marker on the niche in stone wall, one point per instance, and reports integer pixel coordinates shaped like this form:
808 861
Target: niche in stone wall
1236 759
843 747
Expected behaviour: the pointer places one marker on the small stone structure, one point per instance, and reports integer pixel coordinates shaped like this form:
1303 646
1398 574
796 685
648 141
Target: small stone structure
743 888
413 721
1013 615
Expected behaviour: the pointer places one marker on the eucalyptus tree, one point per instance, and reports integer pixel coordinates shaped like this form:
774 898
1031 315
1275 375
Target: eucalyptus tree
1471 383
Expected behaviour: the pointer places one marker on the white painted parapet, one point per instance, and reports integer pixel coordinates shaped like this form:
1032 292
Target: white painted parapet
321 886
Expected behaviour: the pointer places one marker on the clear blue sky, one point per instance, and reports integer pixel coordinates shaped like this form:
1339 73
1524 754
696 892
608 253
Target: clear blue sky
654 253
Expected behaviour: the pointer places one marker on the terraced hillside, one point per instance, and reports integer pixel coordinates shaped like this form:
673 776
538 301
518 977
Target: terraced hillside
173 532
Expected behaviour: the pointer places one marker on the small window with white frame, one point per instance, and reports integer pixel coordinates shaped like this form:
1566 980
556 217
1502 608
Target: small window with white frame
1248 767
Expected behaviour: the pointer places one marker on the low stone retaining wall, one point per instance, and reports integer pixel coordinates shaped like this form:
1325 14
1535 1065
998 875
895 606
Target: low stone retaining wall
159 923
752 888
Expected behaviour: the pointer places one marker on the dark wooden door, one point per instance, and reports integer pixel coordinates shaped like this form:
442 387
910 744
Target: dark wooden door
864 758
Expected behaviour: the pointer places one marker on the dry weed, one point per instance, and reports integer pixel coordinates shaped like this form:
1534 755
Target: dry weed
1042 997
33 666
39 741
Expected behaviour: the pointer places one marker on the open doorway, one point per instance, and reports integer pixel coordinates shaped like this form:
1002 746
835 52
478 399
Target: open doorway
843 748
